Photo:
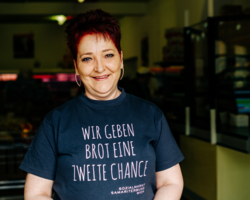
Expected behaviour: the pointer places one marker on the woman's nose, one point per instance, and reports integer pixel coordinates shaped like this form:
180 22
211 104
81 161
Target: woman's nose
99 66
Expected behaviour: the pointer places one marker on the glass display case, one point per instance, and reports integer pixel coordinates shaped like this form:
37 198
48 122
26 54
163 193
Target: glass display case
217 59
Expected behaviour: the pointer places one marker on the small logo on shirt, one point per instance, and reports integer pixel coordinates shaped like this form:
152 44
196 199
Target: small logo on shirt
138 189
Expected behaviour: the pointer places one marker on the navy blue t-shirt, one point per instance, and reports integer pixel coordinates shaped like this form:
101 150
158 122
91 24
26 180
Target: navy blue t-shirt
103 149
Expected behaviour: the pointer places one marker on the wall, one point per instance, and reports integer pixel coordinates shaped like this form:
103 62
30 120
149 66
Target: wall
197 11
49 41
160 15
199 167
132 30
233 174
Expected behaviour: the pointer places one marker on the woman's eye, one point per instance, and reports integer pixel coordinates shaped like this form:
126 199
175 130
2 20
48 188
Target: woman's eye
109 55
86 59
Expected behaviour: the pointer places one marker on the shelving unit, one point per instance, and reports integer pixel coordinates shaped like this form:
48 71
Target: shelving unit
172 78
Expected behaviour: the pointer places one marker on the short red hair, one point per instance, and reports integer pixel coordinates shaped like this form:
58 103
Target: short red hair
92 22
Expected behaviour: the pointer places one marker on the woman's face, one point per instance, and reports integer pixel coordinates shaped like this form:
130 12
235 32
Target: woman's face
98 64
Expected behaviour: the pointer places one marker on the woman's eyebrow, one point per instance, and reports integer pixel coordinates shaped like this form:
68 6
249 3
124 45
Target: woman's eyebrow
87 53
107 50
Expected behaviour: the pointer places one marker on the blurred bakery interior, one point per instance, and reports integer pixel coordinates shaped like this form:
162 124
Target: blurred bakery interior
191 58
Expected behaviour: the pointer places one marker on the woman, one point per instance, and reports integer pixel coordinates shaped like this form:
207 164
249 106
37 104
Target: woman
104 144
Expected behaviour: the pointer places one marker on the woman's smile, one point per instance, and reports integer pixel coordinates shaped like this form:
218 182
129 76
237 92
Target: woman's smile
101 78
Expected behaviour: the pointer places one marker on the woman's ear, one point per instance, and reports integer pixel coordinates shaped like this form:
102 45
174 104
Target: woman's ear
76 68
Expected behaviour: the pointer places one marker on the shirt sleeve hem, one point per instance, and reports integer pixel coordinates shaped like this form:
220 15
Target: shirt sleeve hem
162 166
36 172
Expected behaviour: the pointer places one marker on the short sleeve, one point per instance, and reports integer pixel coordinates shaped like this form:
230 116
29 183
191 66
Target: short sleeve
41 157
167 151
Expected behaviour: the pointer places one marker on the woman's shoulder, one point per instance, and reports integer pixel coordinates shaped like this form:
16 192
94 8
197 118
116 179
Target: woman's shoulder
143 104
60 110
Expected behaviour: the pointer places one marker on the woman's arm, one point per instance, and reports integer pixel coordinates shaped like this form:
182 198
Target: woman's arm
37 188
169 184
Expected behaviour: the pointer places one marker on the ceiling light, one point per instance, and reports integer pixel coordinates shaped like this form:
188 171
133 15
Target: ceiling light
81 1
59 18
238 27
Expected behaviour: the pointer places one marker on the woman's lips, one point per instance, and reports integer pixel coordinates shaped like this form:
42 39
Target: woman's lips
100 78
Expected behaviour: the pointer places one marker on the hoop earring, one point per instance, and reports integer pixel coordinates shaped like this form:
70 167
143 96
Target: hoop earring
122 73
79 84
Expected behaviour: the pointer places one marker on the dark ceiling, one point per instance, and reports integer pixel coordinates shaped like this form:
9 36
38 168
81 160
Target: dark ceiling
23 18
68 1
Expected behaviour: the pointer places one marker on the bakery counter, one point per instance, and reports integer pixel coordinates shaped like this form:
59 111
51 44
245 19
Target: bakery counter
236 138
233 137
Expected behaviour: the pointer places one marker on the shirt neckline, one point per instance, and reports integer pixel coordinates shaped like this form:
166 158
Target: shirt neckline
112 102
